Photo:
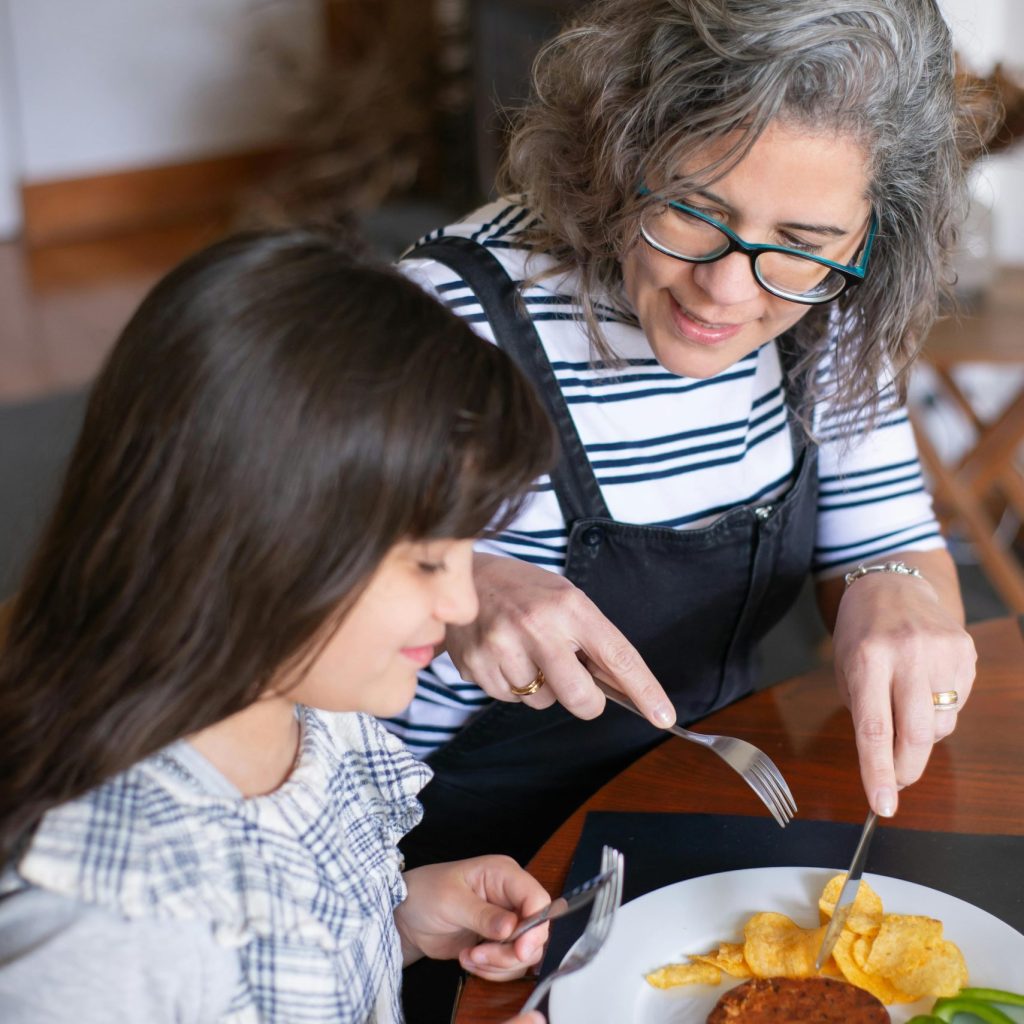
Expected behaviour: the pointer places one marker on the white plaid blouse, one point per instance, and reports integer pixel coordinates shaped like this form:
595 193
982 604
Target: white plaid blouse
302 882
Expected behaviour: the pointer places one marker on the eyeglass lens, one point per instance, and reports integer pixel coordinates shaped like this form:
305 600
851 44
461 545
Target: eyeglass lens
694 239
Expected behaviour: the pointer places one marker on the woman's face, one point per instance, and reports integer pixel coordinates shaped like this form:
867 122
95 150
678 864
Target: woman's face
793 188
392 631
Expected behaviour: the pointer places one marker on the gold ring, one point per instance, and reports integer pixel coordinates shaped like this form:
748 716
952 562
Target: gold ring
946 700
531 687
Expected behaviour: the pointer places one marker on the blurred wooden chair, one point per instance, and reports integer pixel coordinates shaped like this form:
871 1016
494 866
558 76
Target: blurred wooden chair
988 478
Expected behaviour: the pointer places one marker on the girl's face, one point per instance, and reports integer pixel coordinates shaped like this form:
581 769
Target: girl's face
371 660
795 189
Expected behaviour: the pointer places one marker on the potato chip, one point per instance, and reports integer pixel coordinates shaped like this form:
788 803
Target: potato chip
903 940
910 951
878 986
898 958
672 975
861 950
776 947
728 959
945 974
865 915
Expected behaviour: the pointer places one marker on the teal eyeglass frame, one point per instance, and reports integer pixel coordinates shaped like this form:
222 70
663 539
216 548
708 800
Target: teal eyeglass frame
852 275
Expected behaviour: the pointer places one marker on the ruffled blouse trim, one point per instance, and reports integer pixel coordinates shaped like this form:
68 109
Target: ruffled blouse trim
307 863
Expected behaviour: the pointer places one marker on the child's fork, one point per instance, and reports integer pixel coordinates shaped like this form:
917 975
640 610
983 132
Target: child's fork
599 924
754 765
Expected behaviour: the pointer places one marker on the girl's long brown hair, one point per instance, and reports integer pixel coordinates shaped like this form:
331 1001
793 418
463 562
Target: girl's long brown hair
273 418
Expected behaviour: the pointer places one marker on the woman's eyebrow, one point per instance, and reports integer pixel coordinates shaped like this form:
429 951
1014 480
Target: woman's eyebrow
814 229
817 229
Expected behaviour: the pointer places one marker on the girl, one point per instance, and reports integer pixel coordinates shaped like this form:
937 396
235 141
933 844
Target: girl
265 528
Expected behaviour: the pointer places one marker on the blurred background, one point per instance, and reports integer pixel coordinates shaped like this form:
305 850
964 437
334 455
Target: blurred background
134 131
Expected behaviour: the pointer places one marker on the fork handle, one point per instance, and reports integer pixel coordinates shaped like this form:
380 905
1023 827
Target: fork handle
623 701
538 994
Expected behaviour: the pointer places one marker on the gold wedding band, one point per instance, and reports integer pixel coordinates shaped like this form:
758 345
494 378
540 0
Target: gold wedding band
531 687
946 700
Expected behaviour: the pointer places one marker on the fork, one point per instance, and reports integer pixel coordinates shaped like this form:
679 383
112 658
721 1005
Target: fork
755 766
599 924
575 899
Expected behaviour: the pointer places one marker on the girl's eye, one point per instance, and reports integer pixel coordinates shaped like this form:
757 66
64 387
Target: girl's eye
431 567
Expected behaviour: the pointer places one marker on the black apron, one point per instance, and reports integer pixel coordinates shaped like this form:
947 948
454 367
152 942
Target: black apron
694 603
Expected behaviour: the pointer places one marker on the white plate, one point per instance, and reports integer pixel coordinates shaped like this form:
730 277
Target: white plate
694 916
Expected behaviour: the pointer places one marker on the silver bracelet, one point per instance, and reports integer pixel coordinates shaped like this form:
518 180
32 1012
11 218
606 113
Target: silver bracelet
899 568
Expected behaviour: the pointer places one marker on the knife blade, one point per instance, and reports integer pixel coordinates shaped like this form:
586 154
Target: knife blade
848 893
569 901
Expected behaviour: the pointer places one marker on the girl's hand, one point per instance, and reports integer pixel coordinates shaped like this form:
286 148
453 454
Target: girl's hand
897 641
533 1017
452 906
532 620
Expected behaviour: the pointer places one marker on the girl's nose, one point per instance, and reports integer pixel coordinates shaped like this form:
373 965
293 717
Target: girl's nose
728 281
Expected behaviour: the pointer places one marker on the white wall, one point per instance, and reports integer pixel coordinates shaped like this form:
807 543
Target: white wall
10 162
986 31
109 85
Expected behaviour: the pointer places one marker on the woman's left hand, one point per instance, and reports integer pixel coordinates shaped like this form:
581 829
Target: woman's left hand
451 907
898 641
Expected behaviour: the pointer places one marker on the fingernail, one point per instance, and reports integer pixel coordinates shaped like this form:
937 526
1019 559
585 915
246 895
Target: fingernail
665 715
885 801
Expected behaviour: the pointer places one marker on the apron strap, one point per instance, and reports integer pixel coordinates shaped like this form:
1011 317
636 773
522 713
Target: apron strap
572 479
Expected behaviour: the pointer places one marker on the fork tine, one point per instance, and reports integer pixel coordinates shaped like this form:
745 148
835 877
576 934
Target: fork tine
744 758
778 809
780 783
766 797
754 776
779 779
772 783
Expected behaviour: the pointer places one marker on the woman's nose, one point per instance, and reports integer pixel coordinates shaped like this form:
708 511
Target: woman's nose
728 281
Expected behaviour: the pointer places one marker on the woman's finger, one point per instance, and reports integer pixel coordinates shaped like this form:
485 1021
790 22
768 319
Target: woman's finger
616 660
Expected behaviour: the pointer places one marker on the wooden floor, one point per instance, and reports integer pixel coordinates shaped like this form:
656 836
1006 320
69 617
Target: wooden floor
62 307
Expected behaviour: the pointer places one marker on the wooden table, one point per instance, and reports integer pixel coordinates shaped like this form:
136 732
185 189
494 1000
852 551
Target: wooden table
974 782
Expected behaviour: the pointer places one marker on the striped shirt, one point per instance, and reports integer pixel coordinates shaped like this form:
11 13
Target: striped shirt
669 450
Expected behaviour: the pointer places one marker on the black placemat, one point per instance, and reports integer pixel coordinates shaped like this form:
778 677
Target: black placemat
659 849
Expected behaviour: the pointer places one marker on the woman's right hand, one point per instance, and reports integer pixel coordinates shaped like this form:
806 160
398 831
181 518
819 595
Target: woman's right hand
532 621
533 1017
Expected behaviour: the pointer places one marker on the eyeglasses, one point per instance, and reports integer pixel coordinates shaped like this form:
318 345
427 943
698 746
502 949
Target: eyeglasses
684 233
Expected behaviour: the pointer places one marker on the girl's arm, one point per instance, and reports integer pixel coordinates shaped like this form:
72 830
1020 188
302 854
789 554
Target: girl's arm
69 963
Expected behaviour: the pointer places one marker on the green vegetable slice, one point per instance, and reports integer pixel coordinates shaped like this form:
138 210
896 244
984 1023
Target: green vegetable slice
946 1009
994 995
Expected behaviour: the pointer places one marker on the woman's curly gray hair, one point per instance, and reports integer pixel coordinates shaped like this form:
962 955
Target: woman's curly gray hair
630 89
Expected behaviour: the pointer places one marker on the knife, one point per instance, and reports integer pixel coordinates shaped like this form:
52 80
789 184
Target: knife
564 904
848 893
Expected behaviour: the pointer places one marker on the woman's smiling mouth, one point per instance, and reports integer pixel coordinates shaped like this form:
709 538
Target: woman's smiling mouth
693 328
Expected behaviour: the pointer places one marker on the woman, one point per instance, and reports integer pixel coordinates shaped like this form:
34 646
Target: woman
728 235
266 525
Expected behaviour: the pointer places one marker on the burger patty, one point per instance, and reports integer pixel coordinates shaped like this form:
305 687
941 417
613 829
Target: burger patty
807 1000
